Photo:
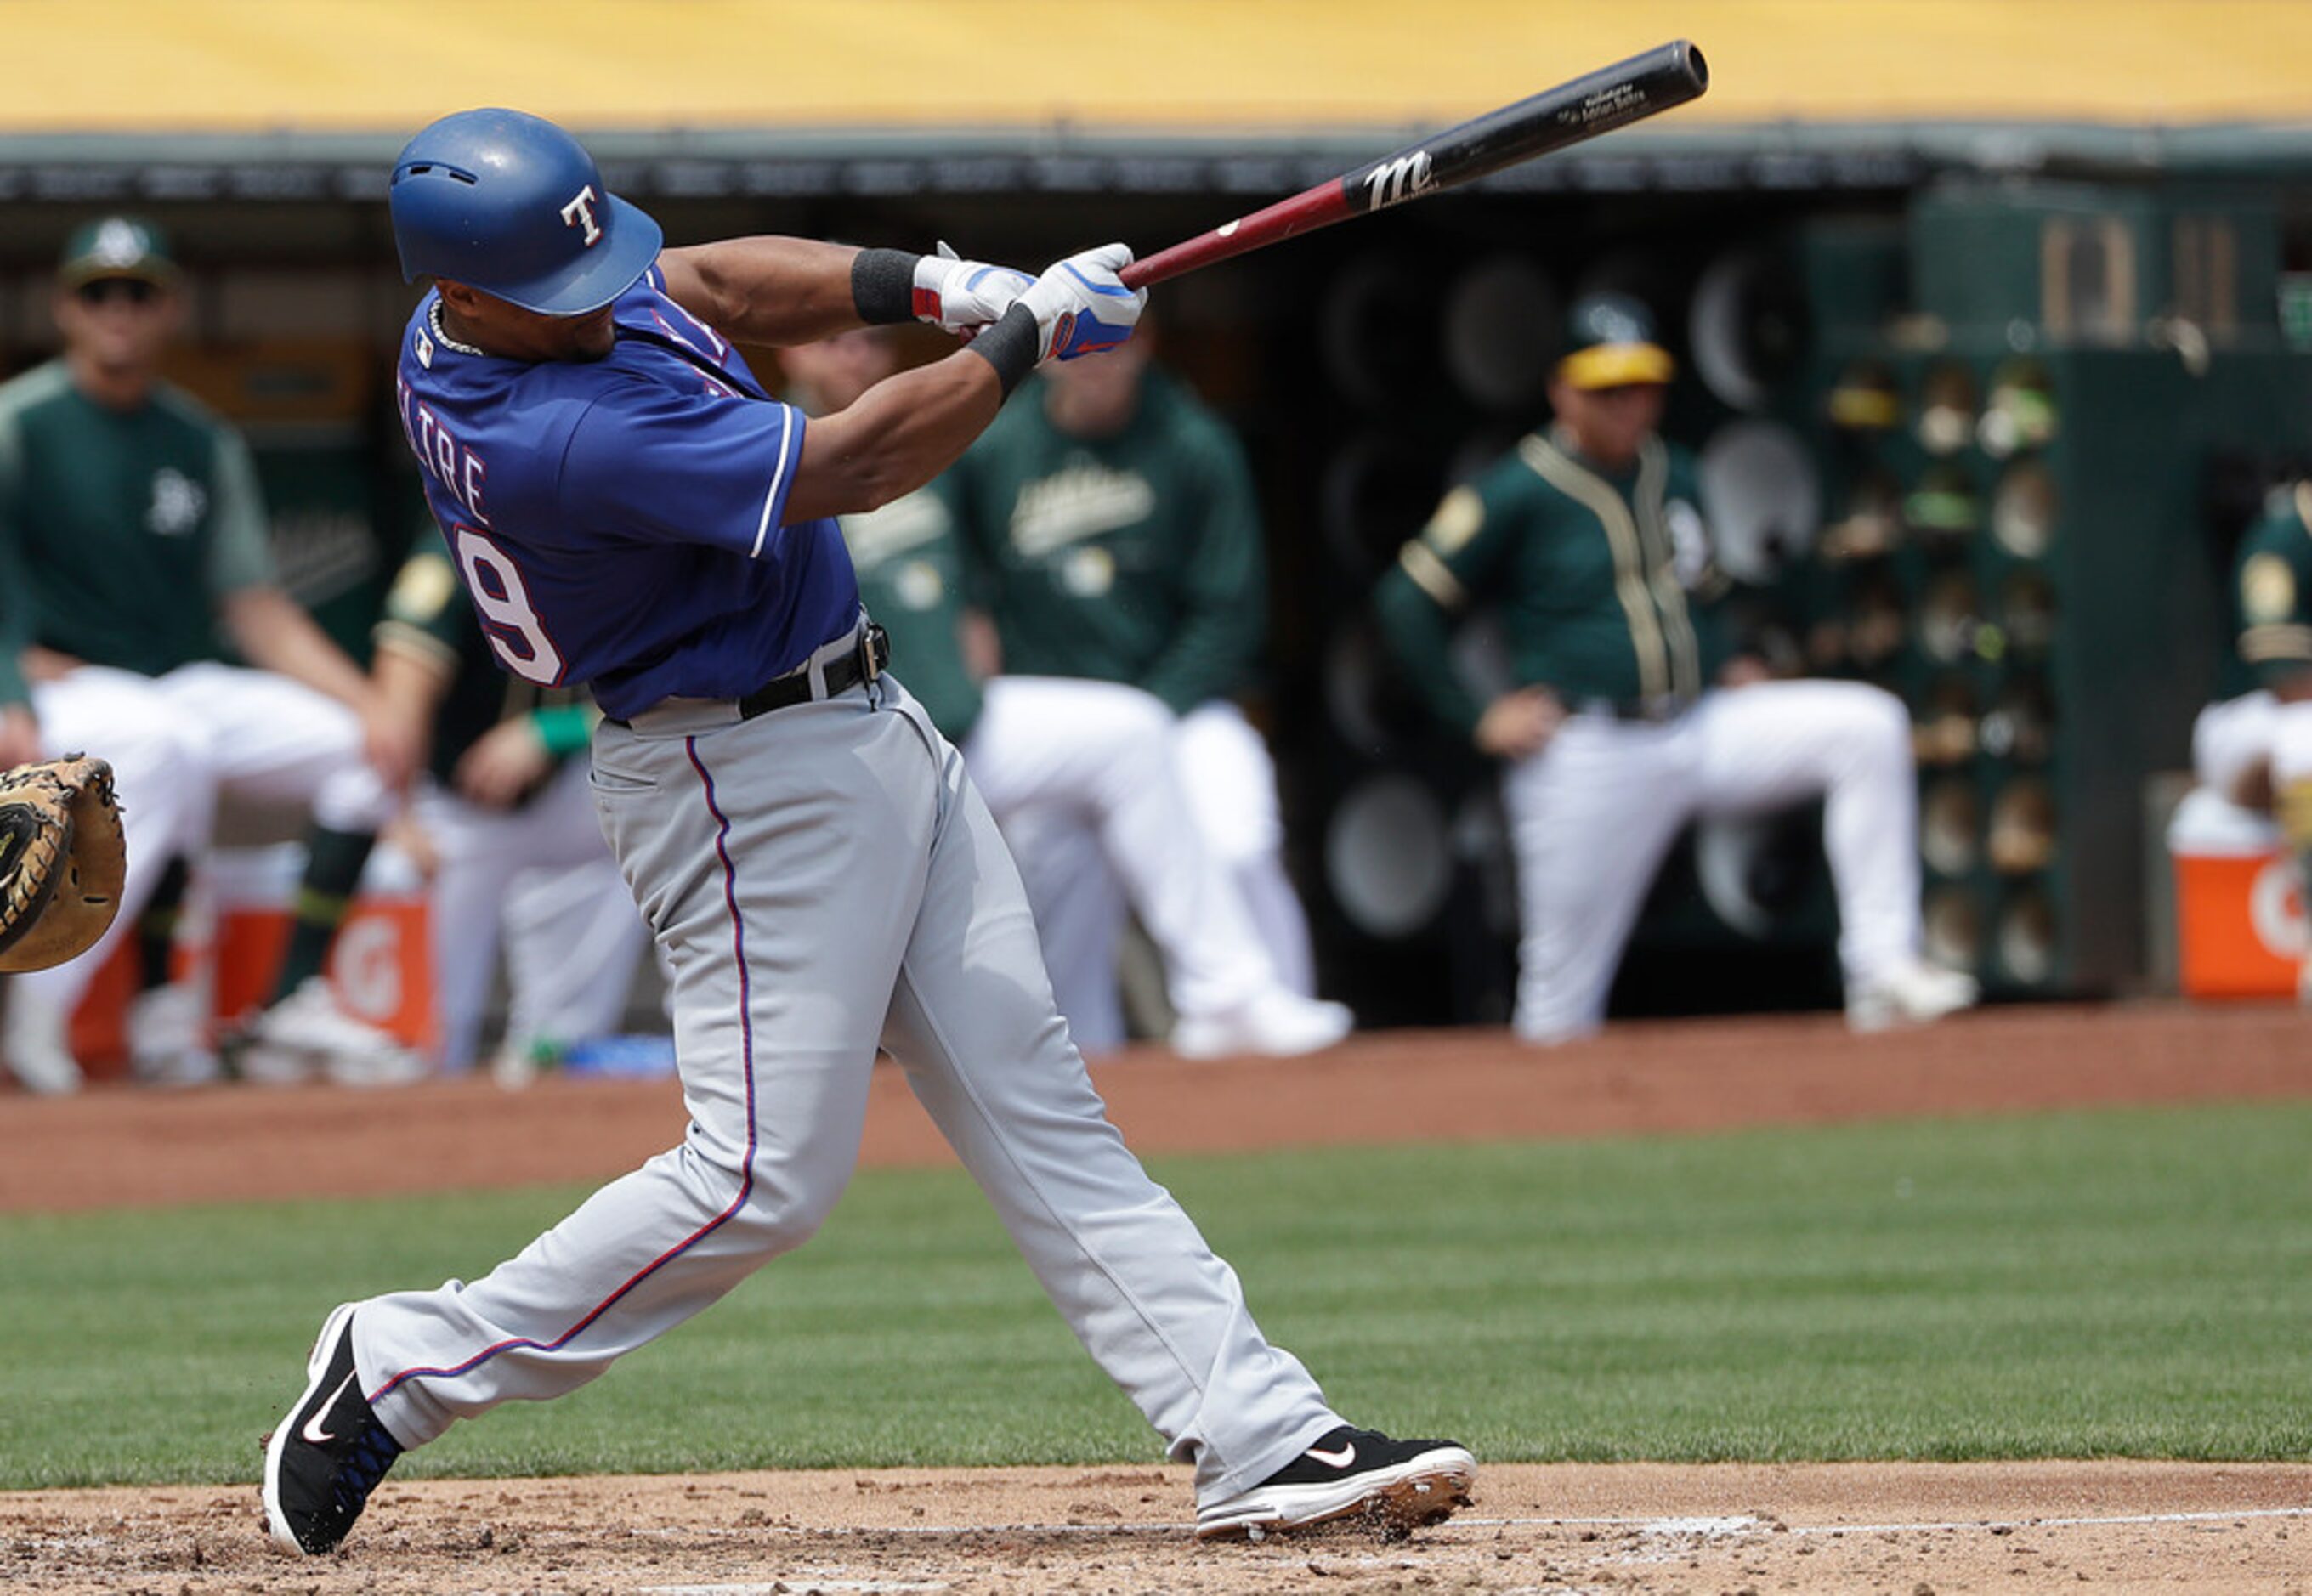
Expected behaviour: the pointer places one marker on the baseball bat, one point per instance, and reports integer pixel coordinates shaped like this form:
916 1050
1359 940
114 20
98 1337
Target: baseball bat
1597 102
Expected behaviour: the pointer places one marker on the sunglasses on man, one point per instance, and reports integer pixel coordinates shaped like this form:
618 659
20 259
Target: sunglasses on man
104 291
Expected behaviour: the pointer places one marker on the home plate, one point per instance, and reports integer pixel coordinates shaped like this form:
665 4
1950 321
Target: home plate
801 1585
1699 1526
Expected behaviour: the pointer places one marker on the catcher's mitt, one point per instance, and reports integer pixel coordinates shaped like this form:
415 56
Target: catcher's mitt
62 860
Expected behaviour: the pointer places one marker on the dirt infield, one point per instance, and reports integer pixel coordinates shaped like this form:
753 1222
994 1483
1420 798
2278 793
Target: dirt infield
1904 1529
1630 1528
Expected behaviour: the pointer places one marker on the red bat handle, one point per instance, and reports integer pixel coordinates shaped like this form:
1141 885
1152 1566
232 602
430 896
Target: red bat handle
1305 212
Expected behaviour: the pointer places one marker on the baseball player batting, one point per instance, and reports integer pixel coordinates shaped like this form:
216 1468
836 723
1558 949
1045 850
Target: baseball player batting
628 508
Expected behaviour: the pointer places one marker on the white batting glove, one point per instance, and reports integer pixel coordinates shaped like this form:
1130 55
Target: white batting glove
1080 306
962 296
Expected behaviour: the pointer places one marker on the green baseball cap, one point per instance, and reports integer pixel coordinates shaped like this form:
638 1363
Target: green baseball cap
1609 343
117 247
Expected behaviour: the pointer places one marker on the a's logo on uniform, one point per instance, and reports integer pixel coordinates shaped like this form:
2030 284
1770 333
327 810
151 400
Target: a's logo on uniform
1088 572
178 502
579 213
1082 499
424 351
1689 542
878 537
119 242
2267 591
918 585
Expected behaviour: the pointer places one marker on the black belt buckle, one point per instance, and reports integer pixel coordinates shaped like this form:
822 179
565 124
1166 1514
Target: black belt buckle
1658 711
864 664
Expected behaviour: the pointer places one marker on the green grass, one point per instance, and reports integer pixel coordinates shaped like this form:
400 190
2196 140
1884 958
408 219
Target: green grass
2115 1284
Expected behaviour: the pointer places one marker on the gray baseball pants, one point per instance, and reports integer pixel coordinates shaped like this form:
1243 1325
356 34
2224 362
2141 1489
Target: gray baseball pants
825 878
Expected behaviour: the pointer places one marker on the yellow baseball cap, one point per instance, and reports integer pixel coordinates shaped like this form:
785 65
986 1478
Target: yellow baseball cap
1609 343
117 247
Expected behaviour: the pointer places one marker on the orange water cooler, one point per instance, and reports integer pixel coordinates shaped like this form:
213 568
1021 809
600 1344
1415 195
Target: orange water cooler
381 964
2240 924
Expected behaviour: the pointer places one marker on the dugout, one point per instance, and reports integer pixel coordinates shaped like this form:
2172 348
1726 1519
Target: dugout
1881 227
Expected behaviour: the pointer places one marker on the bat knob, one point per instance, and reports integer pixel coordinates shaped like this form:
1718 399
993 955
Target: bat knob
1696 66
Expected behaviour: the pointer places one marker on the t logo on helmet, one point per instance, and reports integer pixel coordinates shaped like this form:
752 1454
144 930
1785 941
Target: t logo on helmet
579 213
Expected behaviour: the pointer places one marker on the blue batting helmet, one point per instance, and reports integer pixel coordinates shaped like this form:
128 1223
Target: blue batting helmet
511 205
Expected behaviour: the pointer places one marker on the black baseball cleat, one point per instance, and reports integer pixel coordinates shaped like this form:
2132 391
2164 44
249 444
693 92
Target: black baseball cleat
1395 1485
326 1456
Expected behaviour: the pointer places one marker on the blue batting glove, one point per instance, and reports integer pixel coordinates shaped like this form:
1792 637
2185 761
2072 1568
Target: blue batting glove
1080 305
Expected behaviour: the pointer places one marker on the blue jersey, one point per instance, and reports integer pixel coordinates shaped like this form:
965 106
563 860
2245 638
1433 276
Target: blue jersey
621 522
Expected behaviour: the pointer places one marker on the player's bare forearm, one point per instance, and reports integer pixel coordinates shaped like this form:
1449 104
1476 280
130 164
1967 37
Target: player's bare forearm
895 438
20 736
766 290
2290 686
409 681
981 643
275 633
47 665
410 685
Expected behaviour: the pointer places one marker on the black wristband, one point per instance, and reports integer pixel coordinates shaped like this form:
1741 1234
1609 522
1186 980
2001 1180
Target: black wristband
883 285
1010 345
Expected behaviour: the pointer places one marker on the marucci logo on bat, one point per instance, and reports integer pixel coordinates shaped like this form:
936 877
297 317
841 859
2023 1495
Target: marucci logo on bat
1393 182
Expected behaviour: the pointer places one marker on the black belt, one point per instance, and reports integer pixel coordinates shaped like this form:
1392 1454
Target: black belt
1650 712
845 671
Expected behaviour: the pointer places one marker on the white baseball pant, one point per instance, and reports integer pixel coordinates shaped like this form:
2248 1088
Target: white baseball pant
162 774
2232 737
1082 776
1231 780
824 878
279 741
1592 814
1079 906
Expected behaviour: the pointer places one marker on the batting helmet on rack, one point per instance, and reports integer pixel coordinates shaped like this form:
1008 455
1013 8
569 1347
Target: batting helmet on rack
509 204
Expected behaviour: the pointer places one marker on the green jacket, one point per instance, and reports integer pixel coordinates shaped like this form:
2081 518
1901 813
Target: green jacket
1605 584
1135 558
123 530
2271 595
911 580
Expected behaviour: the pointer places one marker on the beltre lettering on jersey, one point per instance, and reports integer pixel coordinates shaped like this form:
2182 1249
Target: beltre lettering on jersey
455 468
